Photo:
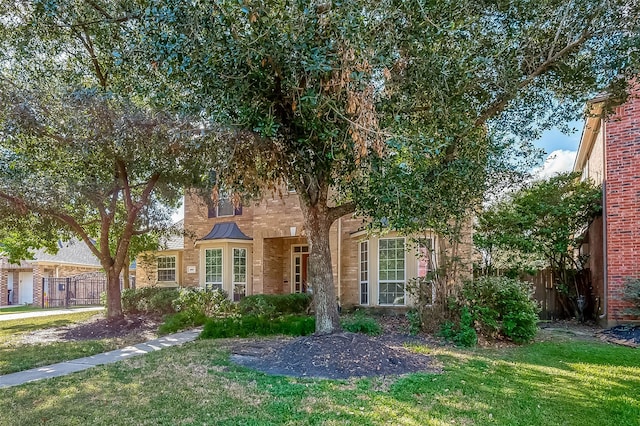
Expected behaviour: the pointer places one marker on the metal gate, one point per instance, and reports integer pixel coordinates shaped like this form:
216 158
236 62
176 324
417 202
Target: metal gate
73 291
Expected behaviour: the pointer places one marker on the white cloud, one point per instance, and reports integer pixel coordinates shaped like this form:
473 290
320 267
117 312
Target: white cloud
558 161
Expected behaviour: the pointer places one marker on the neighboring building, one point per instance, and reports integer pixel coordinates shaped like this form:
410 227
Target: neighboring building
262 248
609 154
22 283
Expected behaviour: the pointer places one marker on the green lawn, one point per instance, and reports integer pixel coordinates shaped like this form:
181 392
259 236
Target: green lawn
19 308
547 383
16 356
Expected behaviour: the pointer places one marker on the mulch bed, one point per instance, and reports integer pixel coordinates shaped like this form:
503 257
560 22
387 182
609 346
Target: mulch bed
626 334
105 329
334 356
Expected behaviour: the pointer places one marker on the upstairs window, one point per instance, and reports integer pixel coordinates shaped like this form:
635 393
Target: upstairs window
224 207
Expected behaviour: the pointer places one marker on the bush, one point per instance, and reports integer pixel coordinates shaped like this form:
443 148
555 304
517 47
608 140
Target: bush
149 300
209 303
360 323
272 305
181 321
463 333
258 325
502 306
415 323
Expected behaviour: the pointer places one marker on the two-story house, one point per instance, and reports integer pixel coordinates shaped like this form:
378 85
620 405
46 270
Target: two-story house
262 248
609 154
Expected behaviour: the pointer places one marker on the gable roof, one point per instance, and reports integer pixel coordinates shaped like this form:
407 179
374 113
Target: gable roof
69 252
175 239
225 231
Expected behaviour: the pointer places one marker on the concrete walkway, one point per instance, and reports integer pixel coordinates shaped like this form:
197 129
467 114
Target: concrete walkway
46 313
68 367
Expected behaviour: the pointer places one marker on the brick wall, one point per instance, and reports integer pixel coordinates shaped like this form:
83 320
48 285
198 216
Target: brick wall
622 139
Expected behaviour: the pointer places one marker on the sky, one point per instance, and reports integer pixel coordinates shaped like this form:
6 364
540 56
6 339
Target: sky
561 150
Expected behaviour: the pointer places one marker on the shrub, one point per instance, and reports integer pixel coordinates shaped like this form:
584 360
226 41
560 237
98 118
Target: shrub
631 294
209 303
415 323
149 300
360 323
258 325
272 305
181 321
462 333
502 306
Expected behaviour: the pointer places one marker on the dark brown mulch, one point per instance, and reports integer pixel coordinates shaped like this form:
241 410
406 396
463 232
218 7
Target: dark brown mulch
334 356
104 329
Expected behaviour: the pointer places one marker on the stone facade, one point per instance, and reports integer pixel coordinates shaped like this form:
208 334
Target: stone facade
609 153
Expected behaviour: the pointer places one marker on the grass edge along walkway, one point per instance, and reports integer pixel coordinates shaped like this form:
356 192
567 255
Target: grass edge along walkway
68 367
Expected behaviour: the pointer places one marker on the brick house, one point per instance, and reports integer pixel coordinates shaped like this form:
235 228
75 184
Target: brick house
22 283
609 154
262 249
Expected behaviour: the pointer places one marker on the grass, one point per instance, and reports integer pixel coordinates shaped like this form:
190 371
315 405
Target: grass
20 308
546 383
17 356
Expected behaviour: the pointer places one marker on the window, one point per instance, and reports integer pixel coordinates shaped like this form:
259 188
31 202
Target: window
224 207
391 271
364 273
167 269
425 270
213 269
239 273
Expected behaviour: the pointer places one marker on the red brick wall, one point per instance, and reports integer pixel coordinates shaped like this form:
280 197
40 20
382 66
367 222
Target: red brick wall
622 133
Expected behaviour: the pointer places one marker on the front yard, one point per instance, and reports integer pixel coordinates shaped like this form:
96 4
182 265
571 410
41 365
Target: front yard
21 350
555 381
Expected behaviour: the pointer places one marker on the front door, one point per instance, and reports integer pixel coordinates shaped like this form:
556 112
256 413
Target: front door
300 267
25 291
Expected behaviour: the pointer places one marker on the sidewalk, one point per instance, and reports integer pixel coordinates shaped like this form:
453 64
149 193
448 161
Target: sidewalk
68 367
46 313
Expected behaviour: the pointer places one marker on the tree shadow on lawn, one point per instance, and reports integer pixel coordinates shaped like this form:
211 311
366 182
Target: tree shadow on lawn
25 327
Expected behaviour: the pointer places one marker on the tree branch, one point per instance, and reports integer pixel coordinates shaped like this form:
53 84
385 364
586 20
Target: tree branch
338 211
501 102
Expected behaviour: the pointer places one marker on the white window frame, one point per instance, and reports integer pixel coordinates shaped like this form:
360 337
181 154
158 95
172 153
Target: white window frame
404 281
234 282
223 197
174 269
214 285
297 252
364 268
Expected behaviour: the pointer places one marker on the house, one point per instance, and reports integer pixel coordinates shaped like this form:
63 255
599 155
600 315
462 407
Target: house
262 249
609 154
23 283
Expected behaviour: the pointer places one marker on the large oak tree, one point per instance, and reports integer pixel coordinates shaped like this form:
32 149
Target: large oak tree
397 110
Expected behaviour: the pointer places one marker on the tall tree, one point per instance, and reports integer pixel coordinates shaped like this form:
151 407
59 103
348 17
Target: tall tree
81 149
547 219
392 109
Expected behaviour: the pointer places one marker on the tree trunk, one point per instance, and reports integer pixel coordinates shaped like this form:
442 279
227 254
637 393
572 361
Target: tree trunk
114 302
125 276
317 223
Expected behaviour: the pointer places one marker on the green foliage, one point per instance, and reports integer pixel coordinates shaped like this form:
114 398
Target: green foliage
631 294
461 333
544 219
271 305
149 300
210 303
194 306
501 306
181 321
415 322
359 322
258 325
